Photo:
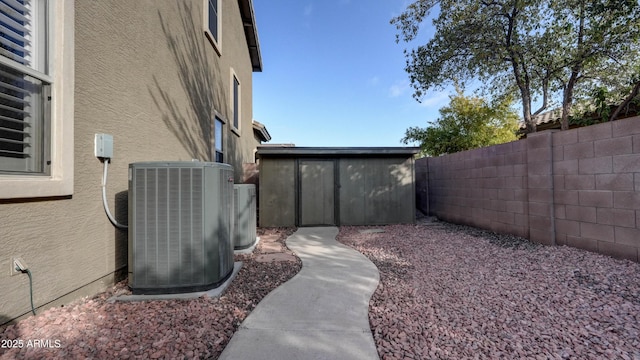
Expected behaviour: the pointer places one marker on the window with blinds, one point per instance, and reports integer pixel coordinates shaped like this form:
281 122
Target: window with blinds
25 86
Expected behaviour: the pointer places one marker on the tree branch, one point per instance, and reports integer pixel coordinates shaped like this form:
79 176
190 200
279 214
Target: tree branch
627 100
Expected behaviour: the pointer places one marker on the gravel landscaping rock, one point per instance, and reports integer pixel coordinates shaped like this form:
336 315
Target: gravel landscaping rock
446 292
454 292
169 329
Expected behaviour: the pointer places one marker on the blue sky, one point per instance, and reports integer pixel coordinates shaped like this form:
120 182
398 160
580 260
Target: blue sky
333 74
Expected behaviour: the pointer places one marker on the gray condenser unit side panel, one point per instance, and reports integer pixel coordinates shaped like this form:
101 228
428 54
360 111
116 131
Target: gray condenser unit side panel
245 220
172 235
219 185
224 232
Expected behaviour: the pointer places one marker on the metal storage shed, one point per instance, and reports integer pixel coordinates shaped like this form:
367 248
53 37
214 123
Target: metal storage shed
309 186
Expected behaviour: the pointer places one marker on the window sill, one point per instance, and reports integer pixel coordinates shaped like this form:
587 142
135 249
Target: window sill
16 187
213 42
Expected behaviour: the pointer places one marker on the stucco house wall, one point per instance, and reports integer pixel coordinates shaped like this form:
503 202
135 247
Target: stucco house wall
145 73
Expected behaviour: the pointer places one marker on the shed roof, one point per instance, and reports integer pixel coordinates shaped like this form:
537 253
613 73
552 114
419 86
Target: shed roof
271 151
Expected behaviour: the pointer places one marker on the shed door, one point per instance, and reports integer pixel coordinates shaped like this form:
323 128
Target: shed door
317 192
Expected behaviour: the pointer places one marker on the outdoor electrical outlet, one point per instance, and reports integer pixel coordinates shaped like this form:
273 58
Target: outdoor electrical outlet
17 263
103 146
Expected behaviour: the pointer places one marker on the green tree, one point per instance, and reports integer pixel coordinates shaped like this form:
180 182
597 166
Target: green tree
537 50
599 40
634 94
467 123
623 94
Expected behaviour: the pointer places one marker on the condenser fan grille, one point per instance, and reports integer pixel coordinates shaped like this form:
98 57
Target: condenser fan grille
181 226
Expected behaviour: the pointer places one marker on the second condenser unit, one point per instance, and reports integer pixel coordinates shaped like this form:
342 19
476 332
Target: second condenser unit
180 226
245 215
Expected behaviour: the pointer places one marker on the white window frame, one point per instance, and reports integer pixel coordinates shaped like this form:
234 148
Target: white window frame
215 42
59 182
236 113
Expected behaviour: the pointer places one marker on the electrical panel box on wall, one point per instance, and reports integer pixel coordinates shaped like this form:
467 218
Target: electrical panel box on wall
104 146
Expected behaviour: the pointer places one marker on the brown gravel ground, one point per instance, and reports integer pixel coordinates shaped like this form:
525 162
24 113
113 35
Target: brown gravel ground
446 292
176 329
455 292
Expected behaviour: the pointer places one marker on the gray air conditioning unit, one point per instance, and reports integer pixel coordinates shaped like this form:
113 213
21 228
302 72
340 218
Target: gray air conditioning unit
244 199
180 226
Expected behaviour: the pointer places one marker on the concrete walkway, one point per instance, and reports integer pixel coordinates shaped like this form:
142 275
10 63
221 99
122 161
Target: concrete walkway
321 313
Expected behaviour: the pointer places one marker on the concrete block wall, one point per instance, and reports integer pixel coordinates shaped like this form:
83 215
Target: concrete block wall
539 188
482 187
422 189
578 187
597 188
